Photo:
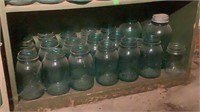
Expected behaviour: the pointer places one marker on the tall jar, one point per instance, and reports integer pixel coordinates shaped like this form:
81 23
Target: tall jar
150 59
93 39
46 44
106 60
55 72
174 65
80 62
68 44
28 75
116 37
129 54
160 28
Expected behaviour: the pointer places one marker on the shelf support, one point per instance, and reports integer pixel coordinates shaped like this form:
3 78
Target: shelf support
9 58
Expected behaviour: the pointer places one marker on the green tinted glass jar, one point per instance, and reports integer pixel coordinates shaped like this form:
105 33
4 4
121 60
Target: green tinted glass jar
106 60
107 29
174 65
27 45
66 35
46 44
150 59
116 37
129 54
41 36
55 72
85 32
80 62
28 75
93 39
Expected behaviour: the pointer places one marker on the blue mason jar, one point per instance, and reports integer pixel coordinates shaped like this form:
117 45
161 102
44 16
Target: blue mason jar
129 54
46 44
116 37
80 62
55 72
150 59
66 35
42 36
106 60
28 75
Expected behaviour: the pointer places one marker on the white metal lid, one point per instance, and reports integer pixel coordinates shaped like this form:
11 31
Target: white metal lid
160 18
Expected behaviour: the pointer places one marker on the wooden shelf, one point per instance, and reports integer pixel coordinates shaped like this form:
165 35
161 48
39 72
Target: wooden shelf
66 5
99 92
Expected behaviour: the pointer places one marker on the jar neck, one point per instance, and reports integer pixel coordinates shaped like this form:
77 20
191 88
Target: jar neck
27 59
152 44
79 50
159 24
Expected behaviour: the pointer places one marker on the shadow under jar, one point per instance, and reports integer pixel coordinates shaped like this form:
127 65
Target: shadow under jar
150 59
28 75
106 60
129 54
80 61
55 72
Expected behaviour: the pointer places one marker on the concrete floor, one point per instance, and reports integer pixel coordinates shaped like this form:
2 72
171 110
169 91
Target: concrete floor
179 98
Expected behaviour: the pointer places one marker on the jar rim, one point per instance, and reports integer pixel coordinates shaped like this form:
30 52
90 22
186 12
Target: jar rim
176 48
128 42
55 53
106 46
48 43
79 50
27 54
94 37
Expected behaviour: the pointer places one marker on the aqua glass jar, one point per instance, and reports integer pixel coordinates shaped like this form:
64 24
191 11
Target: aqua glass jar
27 45
46 44
106 60
93 39
80 62
107 29
150 59
116 37
160 28
55 72
28 75
68 44
174 64
41 36
129 54
85 32
65 35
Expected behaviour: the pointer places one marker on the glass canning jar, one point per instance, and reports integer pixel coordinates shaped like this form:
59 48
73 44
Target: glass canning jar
107 29
93 39
55 72
68 44
41 36
161 30
106 60
28 75
80 62
116 37
85 32
65 35
150 59
129 54
174 64
46 44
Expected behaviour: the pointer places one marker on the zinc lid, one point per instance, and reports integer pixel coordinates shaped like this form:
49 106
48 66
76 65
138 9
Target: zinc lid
160 18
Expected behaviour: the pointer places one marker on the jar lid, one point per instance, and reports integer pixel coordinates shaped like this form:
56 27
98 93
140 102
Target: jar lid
80 49
160 18
176 48
128 42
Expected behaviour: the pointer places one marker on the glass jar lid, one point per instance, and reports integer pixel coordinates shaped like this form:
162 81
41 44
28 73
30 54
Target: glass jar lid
176 48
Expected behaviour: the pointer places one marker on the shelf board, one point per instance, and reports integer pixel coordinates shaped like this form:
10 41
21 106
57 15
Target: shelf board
98 93
66 5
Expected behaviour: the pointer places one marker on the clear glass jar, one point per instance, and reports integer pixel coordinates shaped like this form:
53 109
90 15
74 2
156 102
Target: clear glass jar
106 60
150 59
129 54
93 39
80 62
28 75
55 72
41 36
107 29
46 44
27 45
116 37
174 65
161 30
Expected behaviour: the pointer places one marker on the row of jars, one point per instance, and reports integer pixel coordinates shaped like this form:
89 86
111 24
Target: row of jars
27 2
108 55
